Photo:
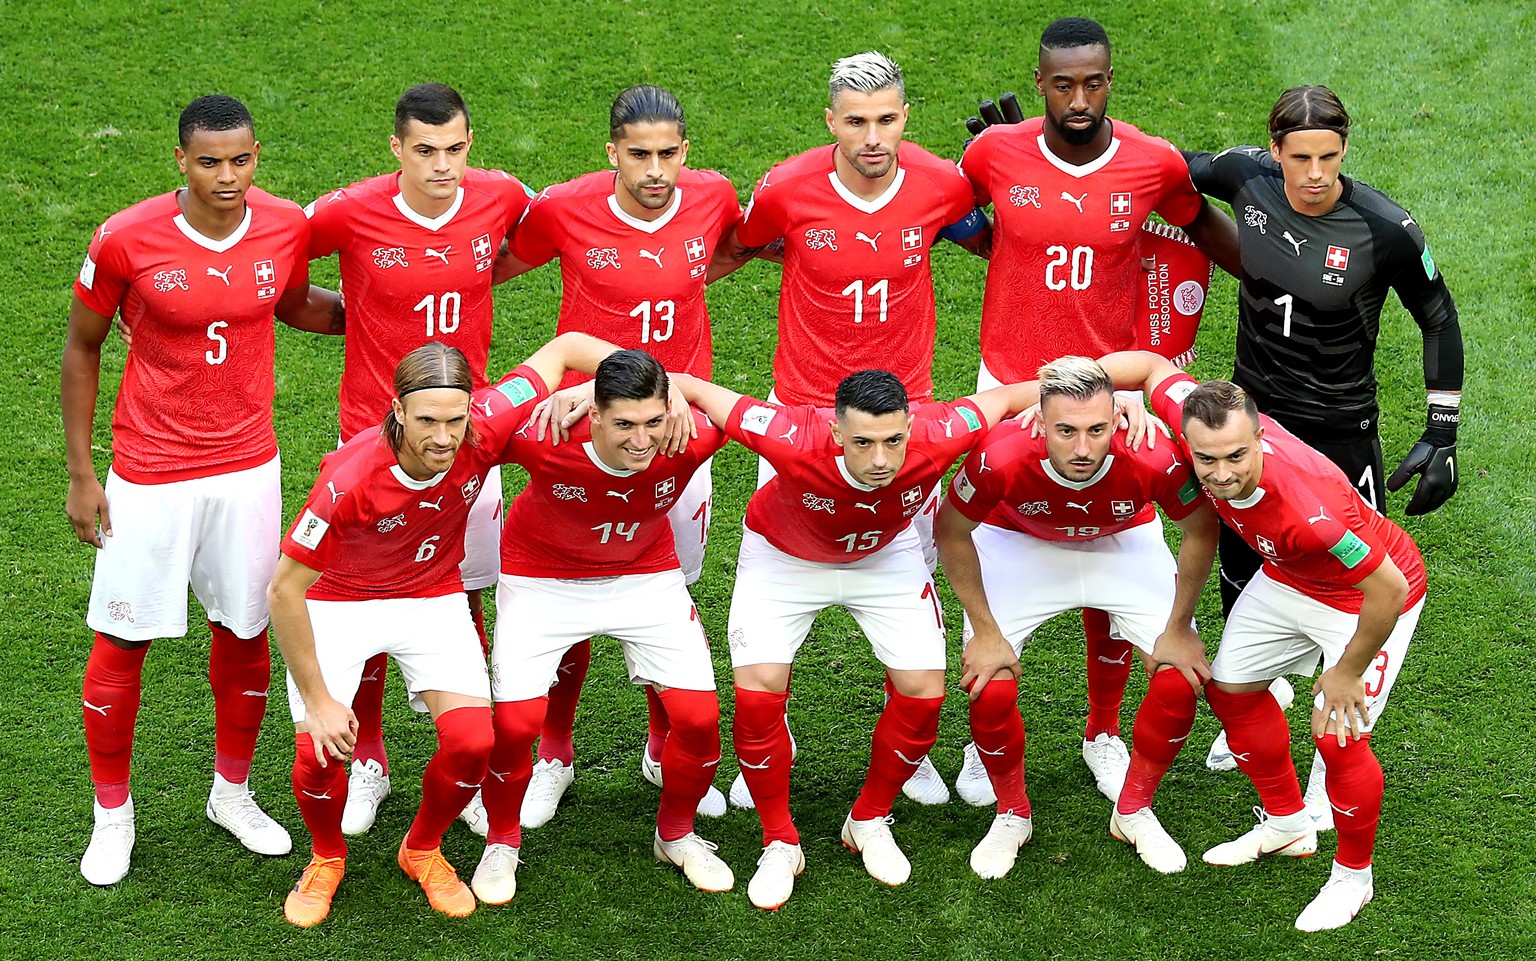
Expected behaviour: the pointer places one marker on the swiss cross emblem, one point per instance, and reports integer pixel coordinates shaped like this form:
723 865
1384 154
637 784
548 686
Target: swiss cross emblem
481 246
666 487
1338 257
908 498
1267 546
1122 508
470 489
1120 204
912 238
694 249
265 273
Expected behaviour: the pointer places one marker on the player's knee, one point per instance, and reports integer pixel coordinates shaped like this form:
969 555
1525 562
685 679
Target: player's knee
1169 688
694 715
517 723
993 705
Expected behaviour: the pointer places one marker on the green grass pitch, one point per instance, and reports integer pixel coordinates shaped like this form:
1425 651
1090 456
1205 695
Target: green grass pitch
1444 105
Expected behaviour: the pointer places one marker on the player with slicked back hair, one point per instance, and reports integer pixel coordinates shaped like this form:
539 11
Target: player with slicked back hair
637 243
1319 252
193 494
417 249
1071 193
1072 514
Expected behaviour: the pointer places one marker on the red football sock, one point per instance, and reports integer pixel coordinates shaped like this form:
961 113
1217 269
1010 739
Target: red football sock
657 725
998 731
689 759
1260 740
240 672
516 724
322 795
1109 668
1163 723
464 738
905 732
110 703
368 706
1355 787
761 734
555 740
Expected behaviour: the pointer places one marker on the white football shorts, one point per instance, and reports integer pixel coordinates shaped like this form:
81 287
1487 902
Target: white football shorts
218 533
482 536
433 640
890 593
651 615
689 518
1275 629
1129 575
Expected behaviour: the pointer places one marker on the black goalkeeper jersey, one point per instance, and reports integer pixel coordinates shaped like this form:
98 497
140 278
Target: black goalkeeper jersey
1312 291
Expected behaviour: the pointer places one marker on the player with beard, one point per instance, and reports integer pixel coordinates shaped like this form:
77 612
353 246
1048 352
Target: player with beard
1070 192
635 244
1319 252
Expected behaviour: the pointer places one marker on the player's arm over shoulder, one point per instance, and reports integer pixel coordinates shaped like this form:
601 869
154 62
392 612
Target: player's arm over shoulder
1222 175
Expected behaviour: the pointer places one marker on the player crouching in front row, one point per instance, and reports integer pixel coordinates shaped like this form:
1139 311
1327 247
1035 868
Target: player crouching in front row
372 566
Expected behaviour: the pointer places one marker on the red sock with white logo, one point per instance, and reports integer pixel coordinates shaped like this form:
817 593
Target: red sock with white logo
904 734
240 673
556 738
1109 668
1355 787
1163 723
1260 740
689 759
464 738
109 699
761 734
322 796
516 724
998 730
657 725
368 706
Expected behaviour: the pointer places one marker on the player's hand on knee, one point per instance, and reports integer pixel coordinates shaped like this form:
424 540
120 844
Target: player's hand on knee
560 411
680 426
986 655
1339 706
85 505
1182 649
333 728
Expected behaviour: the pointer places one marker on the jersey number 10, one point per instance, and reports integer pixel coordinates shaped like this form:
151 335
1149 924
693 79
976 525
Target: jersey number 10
442 312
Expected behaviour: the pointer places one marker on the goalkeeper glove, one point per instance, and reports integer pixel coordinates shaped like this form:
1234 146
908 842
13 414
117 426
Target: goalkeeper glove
1433 458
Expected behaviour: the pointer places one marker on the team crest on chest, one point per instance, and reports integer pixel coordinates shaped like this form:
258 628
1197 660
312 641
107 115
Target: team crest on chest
481 248
1254 217
169 280
1266 546
470 489
695 249
1122 508
390 523
567 492
814 503
600 257
821 238
1024 196
266 279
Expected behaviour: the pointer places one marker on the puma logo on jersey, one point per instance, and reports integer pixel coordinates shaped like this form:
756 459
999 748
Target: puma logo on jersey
1172 467
714 763
335 494
221 274
91 707
1075 201
1082 507
868 507
647 255
1322 515
439 254
874 242
624 496
789 435
949 426
436 505
1294 242
981 464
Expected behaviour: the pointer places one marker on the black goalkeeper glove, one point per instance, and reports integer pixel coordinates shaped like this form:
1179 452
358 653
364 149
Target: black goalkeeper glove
1434 459
1006 110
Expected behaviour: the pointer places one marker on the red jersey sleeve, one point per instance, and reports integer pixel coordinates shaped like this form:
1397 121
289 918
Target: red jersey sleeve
1180 202
1168 401
1175 488
763 221
329 225
505 408
105 274
310 540
765 428
975 492
514 194
539 234
976 165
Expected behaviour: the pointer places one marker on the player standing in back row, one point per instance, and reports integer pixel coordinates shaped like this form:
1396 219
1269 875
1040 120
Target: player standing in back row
1319 251
416 249
1070 191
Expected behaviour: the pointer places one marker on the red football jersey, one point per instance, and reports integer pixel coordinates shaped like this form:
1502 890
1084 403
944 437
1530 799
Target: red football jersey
376 532
409 279
1065 274
857 290
196 396
1009 482
813 508
1305 519
631 282
578 517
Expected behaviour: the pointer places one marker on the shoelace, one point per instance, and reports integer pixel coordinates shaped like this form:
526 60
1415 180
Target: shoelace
244 808
312 873
692 839
434 870
778 852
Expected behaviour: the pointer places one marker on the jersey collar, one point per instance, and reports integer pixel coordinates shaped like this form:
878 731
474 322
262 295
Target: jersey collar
431 223
842 468
1098 475
1243 503
411 483
1073 170
598 463
217 246
647 226
868 206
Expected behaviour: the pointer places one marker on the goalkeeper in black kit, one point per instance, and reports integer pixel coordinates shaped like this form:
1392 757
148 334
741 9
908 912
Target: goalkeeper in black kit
1319 251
